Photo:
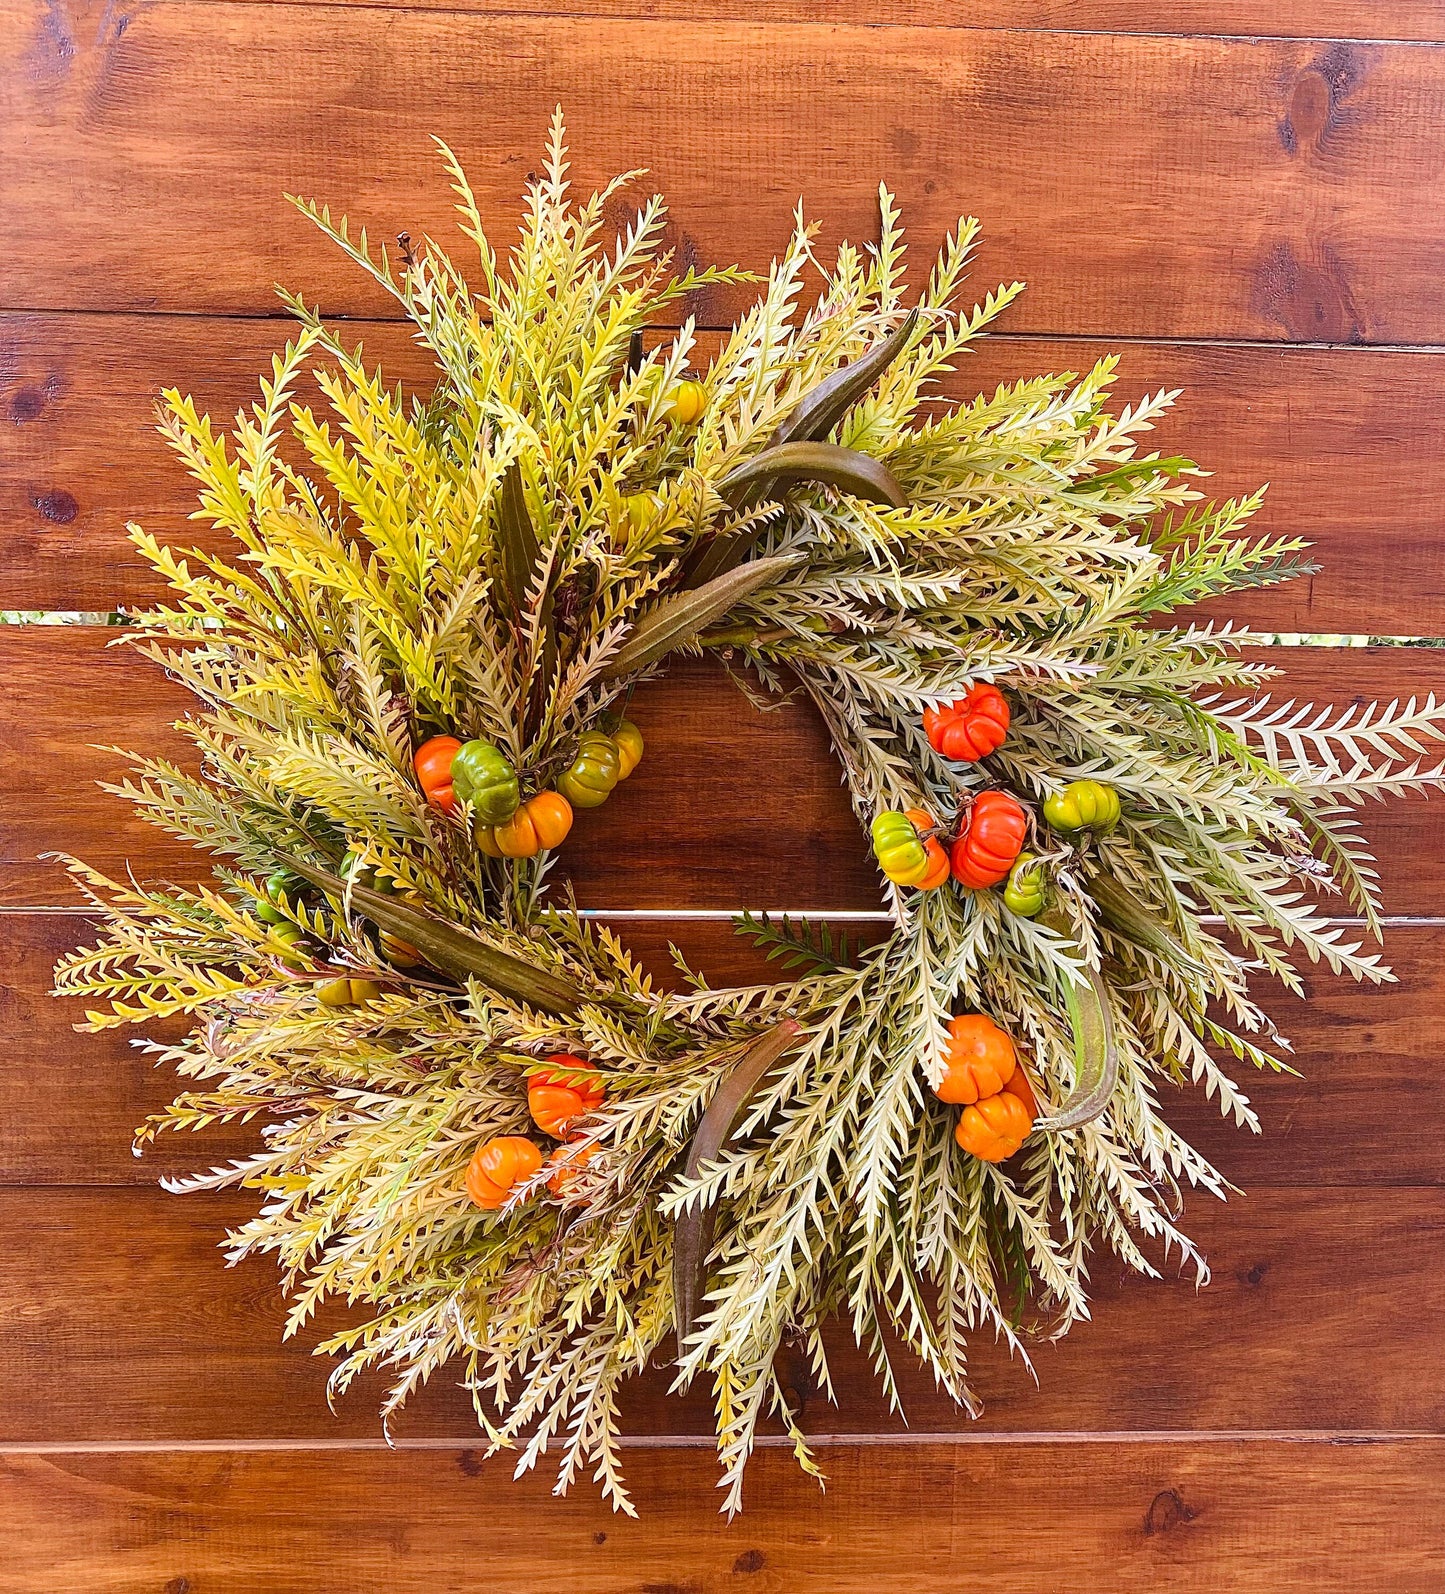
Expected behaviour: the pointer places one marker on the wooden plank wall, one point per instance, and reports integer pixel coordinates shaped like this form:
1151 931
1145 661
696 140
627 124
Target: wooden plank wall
1245 200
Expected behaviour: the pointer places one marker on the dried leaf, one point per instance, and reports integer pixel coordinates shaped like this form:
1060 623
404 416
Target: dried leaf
517 540
680 617
1096 1059
693 1231
447 948
846 469
822 409
810 422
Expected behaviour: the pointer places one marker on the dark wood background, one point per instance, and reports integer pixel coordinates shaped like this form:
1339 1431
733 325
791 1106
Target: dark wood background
1244 198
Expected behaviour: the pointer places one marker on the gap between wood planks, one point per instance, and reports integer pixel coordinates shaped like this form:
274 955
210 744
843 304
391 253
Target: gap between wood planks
283 317
1390 921
1121 1436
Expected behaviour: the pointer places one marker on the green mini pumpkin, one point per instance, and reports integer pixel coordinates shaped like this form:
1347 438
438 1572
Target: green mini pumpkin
482 775
281 887
588 780
1027 887
899 848
1083 805
287 941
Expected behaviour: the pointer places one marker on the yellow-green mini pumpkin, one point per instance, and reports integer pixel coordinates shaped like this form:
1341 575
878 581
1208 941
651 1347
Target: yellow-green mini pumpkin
347 993
588 780
686 403
1027 887
1083 805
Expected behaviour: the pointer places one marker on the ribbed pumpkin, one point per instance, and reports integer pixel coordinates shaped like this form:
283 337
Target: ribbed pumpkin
498 1167
980 1060
567 1162
288 943
556 1101
628 740
991 840
482 775
588 780
1027 887
686 402
993 1129
347 993
903 854
970 729
1084 805
541 822
282 888
433 763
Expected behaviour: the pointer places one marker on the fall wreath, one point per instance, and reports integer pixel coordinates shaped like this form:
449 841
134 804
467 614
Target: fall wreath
481 1122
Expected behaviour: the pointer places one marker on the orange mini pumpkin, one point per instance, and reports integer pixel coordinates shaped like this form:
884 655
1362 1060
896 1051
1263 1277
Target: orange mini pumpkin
1019 1084
938 866
980 1060
540 823
433 764
994 1128
992 838
497 1167
567 1162
971 728
558 1100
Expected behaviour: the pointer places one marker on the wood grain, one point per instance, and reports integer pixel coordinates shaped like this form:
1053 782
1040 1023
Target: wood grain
120 1321
1366 1055
69 692
1200 188
1352 442
1148 1517
1258 219
1309 19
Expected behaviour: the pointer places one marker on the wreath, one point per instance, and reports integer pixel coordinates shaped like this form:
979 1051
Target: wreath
481 1122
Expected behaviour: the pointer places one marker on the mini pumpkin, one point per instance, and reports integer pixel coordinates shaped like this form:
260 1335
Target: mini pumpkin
971 728
557 1100
567 1162
993 1129
639 510
540 823
991 840
281 887
347 993
686 402
629 748
1027 887
979 1060
433 764
902 852
482 775
498 1167
1084 805
588 780
287 941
